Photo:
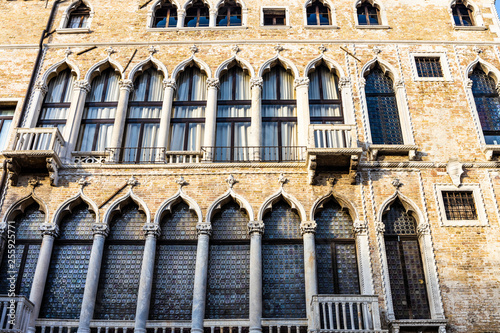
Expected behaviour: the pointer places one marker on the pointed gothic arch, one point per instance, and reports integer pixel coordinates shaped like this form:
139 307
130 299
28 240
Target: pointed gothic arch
58 67
244 64
67 207
150 61
101 66
230 195
341 200
286 63
192 60
276 197
20 206
120 203
179 197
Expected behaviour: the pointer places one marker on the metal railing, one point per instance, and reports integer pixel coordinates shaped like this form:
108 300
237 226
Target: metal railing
331 136
255 154
15 313
139 155
40 138
346 313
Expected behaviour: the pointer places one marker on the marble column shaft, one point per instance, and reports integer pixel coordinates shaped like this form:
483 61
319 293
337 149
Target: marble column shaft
210 115
72 129
255 228
303 119
200 278
255 139
308 232
166 113
126 87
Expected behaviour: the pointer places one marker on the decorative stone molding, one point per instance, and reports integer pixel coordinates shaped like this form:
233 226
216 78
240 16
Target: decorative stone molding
399 83
235 49
455 171
82 85
256 226
110 50
256 83
344 83
41 86
468 83
169 83
83 182
308 227
278 48
49 229
53 168
152 50
3 229
362 83
231 181
181 182
151 229
423 229
380 227
132 181
34 182
360 228
377 50
301 81
282 180
126 84
397 184
213 83
322 48
204 229
194 49
100 229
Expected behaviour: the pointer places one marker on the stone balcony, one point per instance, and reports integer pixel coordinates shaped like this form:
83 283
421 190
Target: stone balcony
15 314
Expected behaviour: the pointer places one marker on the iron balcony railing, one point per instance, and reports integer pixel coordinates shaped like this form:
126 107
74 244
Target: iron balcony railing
255 154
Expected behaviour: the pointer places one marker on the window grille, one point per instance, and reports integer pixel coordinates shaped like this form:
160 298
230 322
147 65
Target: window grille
428 66
197 15
165 16
318 14
173 280
382 108
459 205
406 274
283 264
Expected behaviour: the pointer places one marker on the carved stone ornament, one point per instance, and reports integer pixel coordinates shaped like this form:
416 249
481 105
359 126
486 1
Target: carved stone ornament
132 181
100 229
204 229
455 170
109 51
497 87
82 85
362 82
34 182
151 229
213 83
68 52
331 181
477 50
396 183
126 84
308 227
399 83
152 50
49 229
424 229
181 182
13 170
282 180
442 329
53 169
41 86
256 226
256 82
194 49
344 82
3 229
278 48
301 81
322 48
83 182
235 49
360 228
469 83
380 227
169 83
377 50
231 181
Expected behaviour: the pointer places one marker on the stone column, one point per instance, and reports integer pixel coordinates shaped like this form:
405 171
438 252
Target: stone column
126 87
200 277
303 119
380 229
36 104
181 15
364 264
255 139
166 113
404 120
49 232
210 117
72 129
212 18
3 237
255 229
101 231
152 231
308 229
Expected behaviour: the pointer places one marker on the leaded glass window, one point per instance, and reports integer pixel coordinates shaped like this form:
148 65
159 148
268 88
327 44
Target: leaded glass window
428 66
63 293
383 111
173 280
487 104
283 289
336 259
121 266
406 274
229 263
27 248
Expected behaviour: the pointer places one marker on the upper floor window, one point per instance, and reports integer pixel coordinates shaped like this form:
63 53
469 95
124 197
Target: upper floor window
325 106
428 66
274 16
318 14
368 14
197 15
462 15
79 17
165 15
6 115
229 14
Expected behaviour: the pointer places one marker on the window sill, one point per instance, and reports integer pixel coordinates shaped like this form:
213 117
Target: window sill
329 27
375 150
276 27
491 151
474 28
195 29
432 79
372 26
73 31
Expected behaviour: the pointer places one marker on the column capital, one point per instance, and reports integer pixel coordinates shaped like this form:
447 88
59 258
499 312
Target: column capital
213 83
301 82
49 229
169 83
41 86
126 84
344 83
256 82
256 226
3 229
423 229
204 229
380 227
308 227
399 84
152 229
100 229
360 228
213 11
362 83
468 83
82 85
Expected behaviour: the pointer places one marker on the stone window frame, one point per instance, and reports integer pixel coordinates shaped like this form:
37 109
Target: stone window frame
287 17
67 15
333 16
445 66
151 16
16 104
482 218
476 15
383 24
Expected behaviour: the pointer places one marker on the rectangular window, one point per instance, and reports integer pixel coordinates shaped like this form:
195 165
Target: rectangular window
274 16
428 66
459 205
6 115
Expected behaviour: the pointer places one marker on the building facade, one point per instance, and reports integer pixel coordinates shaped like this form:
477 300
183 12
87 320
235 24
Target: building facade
249 166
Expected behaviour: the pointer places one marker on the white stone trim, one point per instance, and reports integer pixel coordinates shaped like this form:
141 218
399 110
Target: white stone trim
482 220
341 200
115 206
244 13
286 63
226 197
23 203
382 14
65 17
101 66
175 199
445 66
143 64
287 17
244 64
281 193
151 12
69 204
192 59
333 15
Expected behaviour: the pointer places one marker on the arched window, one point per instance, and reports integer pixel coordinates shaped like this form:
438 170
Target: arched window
65 284
462 15
229 264
318 14
27 248
229 14
143 118
233 116
189 110
121 266
57 101
406 274
336 258
283 288
99 113
487 104
79 17
165 15
197 15
368 14
383 111
279 116
173 280
325 106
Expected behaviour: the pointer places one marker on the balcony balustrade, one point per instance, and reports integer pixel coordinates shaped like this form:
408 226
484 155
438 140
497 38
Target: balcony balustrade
15 314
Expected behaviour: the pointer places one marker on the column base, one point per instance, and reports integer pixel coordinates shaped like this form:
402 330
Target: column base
196 330
256 329
83 330
139 330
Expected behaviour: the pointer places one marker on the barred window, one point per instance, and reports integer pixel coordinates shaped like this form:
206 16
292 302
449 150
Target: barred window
429 66
459 205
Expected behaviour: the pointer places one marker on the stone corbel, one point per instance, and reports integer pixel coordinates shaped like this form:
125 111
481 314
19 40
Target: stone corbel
353 167
311 168
13 170
380 227
360 228
53 169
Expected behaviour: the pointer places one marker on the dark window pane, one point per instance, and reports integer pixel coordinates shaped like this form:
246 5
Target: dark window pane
428 66
487 103
459 205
